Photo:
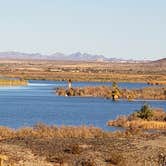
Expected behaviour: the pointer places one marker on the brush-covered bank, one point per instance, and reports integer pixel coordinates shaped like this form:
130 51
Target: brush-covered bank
146 118
44 145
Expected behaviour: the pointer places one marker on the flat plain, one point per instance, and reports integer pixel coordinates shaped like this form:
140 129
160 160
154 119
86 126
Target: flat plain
152 72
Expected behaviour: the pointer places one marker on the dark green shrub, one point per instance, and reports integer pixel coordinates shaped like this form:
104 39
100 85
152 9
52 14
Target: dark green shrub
145 112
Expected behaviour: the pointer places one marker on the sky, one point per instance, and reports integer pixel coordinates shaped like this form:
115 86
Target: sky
128 29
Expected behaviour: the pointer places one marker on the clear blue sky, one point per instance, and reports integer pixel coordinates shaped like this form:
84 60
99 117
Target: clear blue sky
115 28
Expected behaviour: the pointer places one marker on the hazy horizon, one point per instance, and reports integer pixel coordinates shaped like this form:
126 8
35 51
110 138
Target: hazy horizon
115 29
122 58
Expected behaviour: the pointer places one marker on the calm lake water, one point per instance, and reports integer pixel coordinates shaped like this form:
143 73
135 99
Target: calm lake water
26 106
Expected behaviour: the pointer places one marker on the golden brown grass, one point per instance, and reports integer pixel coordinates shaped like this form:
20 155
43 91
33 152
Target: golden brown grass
143 124
8 82
76 146
147 124
146 118
151 93
45 131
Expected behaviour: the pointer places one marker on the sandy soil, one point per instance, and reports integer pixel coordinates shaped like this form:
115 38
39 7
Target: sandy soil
136 150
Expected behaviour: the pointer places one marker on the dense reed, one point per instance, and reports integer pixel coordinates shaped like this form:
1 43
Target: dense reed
13 82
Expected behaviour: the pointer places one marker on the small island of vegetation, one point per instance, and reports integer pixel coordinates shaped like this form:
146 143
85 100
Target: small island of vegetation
115 92
145 118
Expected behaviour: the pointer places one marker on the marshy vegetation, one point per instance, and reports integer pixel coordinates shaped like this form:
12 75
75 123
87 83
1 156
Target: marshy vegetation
151 93
13 82
145 118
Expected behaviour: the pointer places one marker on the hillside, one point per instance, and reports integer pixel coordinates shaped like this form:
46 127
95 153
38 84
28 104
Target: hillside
161 62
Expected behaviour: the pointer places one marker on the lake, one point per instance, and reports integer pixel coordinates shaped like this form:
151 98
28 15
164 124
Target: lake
37 102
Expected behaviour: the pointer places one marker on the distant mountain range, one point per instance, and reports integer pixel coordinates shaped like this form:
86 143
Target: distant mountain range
57 56
60 56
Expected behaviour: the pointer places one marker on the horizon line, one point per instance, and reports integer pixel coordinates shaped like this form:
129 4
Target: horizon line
81 52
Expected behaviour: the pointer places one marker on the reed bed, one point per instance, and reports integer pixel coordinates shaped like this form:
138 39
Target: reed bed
145 118
8 82
45 131
143 124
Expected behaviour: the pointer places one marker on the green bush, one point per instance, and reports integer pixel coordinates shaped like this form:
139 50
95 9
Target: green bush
145 112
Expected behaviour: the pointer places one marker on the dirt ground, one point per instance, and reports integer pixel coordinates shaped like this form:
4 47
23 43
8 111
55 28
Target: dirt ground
120 151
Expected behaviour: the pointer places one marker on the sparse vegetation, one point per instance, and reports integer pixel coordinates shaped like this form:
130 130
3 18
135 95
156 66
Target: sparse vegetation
43 145
77 146
84 71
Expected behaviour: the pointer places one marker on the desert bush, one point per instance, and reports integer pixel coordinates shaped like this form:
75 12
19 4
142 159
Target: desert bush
159 114
145 112
61 91
115 158
119 122
133 130
73 149
86 162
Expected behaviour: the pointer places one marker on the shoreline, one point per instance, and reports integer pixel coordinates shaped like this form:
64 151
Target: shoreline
55 78
74 146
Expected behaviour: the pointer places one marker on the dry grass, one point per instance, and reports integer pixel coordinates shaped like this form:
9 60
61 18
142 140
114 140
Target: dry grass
153 93
83 71
149 119
147 124
8 82
143 124
100 91
44 145
47 132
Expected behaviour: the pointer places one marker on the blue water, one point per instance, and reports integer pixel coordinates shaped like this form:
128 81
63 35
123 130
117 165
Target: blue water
26 106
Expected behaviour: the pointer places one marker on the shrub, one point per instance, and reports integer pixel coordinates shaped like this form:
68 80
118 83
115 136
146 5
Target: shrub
145 112
73 149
